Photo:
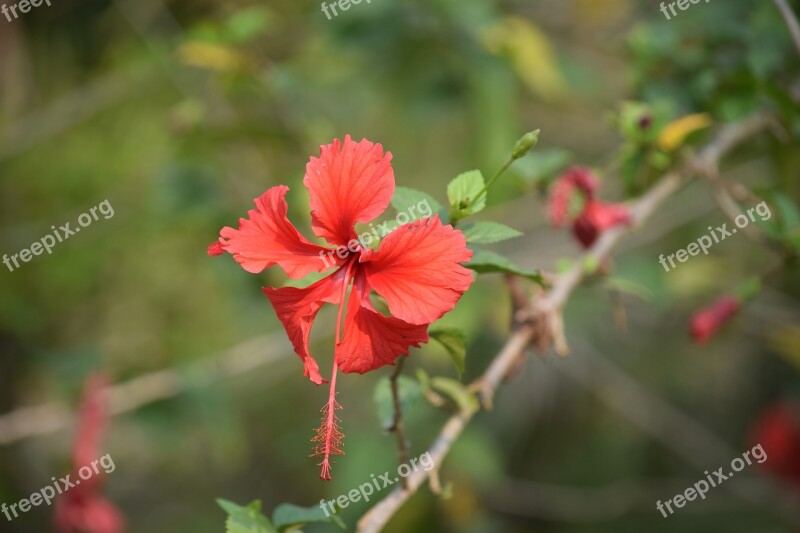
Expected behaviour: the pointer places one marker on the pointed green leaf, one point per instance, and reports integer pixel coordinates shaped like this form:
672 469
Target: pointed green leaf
409 391
424 204
463 191
488 232
287 516
247 519
455 342
485 262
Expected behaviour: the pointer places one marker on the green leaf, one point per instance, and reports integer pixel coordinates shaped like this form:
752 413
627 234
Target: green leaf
248 23
456 390
489 232
288 516
455 342
245 519
486 262
463 191
409 391
626 286
788 212
404 198
542 165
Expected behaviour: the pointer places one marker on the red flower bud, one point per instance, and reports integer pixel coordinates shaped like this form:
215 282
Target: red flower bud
705 323
597 217
777 430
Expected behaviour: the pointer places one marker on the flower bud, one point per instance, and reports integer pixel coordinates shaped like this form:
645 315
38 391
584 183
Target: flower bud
525 143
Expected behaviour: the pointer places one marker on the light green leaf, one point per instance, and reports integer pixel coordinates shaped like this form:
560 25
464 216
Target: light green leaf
409 391
463 191
626 286
287 516
455 342
485 262
405 198
488 232
456 390
248 23
542 165
788 212
245 519
591 264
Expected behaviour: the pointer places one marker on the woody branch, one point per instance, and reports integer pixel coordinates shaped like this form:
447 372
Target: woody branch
548 307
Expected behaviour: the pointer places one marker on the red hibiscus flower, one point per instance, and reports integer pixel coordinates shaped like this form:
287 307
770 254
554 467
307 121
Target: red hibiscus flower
594 217
705 323
82 509
777 429
416 269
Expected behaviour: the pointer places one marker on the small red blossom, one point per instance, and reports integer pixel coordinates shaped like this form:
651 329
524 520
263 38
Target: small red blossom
416 268
705 323
82 509
777 429
595 216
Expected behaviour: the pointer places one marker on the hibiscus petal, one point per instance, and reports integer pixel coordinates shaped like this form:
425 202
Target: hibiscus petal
372 340
417 270
297 308
267 238
350 182
215 248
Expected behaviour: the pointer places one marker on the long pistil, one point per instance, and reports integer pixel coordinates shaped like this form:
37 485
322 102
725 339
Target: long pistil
329 436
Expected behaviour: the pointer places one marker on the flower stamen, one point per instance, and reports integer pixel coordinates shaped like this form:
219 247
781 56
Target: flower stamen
329 435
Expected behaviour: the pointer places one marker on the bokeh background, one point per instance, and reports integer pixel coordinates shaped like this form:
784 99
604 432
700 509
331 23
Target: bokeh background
180 112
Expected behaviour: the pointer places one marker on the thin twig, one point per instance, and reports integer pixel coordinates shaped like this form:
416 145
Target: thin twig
591 504
723 194
791 21
679 432
397 422
47 418
555 298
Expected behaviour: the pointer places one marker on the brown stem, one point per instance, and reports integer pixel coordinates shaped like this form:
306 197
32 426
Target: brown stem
552 302
397 423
